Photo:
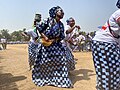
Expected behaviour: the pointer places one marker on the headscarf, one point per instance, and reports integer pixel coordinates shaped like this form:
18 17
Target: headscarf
37 17
68 20
53 11
118 4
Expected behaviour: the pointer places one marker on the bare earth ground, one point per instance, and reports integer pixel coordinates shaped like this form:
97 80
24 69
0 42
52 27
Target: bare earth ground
14 74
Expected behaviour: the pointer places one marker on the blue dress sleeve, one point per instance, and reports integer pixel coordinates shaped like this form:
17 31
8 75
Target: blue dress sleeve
62 35
43 26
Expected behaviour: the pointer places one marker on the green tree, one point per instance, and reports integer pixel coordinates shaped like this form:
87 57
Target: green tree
5 34
16 36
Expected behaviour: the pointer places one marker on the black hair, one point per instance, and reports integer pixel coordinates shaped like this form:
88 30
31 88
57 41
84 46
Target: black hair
118 4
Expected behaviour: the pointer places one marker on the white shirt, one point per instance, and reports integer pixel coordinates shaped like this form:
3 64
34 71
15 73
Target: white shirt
105 35
3 40
81 37
32 34
75 40
70 35
67 37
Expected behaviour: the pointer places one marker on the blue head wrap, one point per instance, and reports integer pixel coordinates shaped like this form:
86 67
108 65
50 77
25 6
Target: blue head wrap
53 11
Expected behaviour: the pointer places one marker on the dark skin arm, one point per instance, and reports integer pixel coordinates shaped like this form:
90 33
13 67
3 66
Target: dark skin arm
44 36
118 21
24 34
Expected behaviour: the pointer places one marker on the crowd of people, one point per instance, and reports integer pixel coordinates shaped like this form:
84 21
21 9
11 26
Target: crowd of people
51 45
81 42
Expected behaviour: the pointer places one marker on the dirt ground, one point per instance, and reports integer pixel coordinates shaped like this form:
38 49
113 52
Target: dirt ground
14 73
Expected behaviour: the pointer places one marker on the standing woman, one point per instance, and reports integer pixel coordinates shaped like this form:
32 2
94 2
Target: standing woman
50 67
70 30
106 53
33 43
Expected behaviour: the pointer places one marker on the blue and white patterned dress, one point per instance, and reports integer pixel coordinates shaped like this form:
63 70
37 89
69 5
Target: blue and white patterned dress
51 65
106 54
32 46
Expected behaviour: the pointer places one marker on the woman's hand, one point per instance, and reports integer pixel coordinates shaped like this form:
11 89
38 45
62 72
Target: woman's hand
46 38
77 26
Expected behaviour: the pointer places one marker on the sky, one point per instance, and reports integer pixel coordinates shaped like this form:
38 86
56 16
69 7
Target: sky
89 14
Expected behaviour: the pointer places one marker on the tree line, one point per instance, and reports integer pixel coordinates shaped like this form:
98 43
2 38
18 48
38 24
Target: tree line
14 36
17 36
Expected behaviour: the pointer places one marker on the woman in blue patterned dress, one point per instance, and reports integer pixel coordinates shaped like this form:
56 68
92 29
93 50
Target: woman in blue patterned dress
51 67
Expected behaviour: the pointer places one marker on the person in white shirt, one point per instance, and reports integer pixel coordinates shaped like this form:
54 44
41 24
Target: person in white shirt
4 43
75 41
33 42
106 53
81 42
70 30
67 41
88 42
32 46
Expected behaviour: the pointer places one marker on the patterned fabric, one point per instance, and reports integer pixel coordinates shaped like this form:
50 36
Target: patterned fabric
51 65
106 58
53 11
52 29
70 59
32 50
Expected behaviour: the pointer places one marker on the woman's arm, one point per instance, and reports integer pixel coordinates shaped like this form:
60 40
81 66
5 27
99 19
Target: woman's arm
72 28
44 36
24 34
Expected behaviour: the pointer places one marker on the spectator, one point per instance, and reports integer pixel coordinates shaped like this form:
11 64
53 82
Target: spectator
33 43
4 43
88 42
81 42
70 31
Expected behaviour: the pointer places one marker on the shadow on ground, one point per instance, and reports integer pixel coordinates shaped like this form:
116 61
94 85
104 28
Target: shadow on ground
81 74
8 81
